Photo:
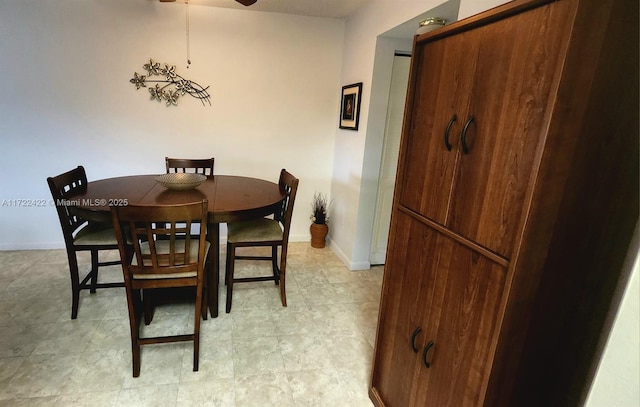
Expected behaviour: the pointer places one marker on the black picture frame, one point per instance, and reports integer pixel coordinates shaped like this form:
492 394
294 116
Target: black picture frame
350 106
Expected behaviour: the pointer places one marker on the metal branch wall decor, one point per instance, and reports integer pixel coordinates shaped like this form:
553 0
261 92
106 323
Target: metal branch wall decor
174 86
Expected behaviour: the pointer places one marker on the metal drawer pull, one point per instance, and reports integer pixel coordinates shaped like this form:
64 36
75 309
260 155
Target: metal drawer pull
463 136
413 339
446 132
426 352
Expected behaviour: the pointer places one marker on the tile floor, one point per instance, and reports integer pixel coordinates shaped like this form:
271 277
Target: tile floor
315 352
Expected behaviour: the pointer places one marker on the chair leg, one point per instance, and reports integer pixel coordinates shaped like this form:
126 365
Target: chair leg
196 352
134 303
283 276
231 254
94 270
204 303
274 263
283 292
147 302
196 329
135 349
75 282
226 267
216 285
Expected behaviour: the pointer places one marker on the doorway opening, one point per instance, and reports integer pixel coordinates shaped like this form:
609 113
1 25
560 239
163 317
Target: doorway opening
389 161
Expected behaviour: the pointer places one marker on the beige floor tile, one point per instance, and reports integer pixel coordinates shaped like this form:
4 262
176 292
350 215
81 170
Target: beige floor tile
210 393
8 368
251 296
263 390
314 352
111 334
42 310
20 339
97 372
253 323
319 388
30 402
216 329
357 380
216 362
40 376
348 349
256 356
160 364
68 337
292 321
148 396
100 399
304 352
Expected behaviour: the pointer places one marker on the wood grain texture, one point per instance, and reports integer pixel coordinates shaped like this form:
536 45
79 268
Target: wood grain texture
584 210
468 291
452 294
529 230
408 289
230 197
429 166
516 69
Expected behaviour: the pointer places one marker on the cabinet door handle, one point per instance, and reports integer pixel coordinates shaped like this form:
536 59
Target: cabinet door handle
463 136
426 353
446 132
413 339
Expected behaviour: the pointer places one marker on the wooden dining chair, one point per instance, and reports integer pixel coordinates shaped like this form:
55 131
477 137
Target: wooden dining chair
199 165
202 166
265 232
158 251
81 235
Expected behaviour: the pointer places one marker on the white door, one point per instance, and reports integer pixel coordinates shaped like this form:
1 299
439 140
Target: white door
390 150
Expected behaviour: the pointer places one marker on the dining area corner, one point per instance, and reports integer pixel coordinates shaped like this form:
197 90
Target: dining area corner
148 269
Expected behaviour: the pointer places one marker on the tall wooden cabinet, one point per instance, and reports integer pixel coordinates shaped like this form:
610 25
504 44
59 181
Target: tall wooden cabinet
516 199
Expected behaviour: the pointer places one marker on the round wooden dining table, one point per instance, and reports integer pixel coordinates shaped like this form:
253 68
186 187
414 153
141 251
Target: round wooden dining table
230 198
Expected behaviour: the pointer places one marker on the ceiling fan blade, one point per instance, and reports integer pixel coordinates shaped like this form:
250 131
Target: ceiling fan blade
243 2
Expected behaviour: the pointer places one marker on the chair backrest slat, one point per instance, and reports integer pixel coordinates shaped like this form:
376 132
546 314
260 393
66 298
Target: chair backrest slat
289 186
202 166
63 187
159 237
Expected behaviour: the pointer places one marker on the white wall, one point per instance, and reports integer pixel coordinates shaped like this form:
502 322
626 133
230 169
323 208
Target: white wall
617 380
471 7
354 184
66 99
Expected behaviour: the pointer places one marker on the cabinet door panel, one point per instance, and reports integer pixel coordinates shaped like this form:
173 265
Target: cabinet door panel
438 82
407 301
453 294
462 326
514 71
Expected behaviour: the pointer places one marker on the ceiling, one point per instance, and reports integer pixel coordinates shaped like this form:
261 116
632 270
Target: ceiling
314 8
333 9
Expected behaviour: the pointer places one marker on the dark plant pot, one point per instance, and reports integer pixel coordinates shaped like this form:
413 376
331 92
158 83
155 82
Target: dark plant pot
318 234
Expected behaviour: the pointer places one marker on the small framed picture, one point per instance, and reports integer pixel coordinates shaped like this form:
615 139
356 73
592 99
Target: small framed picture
350 106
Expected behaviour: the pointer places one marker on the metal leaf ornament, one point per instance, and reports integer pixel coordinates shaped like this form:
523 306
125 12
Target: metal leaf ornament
172 87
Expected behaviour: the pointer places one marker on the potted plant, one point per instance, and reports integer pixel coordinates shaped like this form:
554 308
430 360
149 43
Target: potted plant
319 219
